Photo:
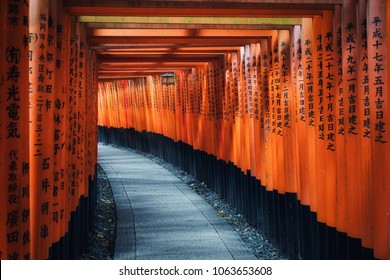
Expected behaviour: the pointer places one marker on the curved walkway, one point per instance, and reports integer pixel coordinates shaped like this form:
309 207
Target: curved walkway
160 217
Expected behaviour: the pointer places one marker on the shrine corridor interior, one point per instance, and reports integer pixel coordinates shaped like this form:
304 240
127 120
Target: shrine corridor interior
281 107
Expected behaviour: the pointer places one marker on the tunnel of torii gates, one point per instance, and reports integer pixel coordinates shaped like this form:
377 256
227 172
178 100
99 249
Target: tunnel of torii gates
282 108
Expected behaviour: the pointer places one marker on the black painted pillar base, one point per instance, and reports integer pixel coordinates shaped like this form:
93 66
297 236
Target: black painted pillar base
75 242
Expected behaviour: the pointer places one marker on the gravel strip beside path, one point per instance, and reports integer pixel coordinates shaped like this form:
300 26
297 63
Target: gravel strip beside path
102 238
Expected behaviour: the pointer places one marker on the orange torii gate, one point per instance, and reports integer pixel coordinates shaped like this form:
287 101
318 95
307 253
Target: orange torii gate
287 121
46 170
295 105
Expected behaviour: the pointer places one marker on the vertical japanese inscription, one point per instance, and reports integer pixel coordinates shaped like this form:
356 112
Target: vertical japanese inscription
299 81
329 89
308 77
285 82
41 126
378 47
265 64
15 134
351 75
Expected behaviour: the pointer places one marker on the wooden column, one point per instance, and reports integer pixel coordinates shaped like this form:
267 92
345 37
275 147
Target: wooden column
363 95
41 129
15 209
377 51
329 101
3 191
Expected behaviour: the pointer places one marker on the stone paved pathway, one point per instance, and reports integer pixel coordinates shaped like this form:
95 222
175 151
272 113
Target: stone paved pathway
160 217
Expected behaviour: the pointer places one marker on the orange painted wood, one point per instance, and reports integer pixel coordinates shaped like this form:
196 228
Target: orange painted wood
78 119
282 87
239 116
190 110
24 150
246 120
60 123
89 101
329 100
308 74
177 98
24 143
241 127
266 162
73 113
41 132
229 106
387 171
363 95
14 173
172 109
97 32
377 53
211 114
198 97
186 109
387 182
3 191
301 119
290 105
174 11
341 191
226 126
296 63
258 114
65 176
126 106
352 122
195 109
274 85
287 99
205 89
219 103
319 140
253 105
234 95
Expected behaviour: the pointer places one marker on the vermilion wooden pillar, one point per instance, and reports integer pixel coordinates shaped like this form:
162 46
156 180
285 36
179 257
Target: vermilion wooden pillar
329 100
72 111
60 185
185 107
218 85
229 115
258 111
15 209
95 107
274 86
41 132
234 99
363 95
388 120
352 122
287 99
340 96
308 77
245 119
281 87
266 163
82 190
301 119
3 191
377 51
212 97
318 100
